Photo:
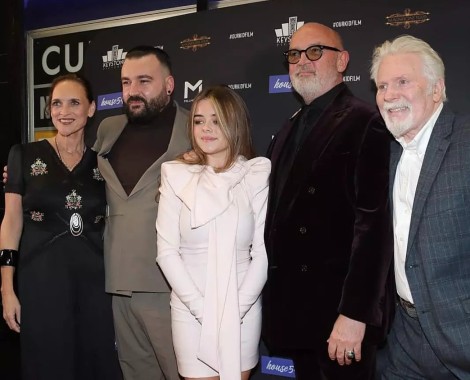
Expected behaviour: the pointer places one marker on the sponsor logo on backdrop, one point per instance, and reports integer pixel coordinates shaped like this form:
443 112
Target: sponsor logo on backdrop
346 23
65 51
114 58
277 366
407 18
191 90
236 36
240 86
284 34
279 83
351 78
195 42
109 101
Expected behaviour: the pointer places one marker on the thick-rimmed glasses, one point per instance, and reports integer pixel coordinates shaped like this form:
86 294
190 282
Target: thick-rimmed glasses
313 53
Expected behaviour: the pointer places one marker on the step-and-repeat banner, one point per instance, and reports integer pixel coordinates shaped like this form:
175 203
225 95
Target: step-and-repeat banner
242 47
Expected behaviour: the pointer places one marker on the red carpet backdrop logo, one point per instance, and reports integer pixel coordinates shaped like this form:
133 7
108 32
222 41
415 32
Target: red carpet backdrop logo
407 18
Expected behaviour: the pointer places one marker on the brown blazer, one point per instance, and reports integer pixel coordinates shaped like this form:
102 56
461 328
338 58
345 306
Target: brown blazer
329 240
130 246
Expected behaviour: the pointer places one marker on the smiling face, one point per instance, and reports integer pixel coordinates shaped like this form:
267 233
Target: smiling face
146 88
70 107
312 79
208 134
405 96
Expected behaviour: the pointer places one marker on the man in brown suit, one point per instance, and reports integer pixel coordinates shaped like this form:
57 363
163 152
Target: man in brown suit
131 149
329 297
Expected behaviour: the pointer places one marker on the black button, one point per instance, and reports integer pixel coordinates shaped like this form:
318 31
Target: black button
311 190
303 230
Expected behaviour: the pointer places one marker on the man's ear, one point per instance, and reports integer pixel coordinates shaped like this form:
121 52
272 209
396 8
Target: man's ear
342 61
438 90
169 84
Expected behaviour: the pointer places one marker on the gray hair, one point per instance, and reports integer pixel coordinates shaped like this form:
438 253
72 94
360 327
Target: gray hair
432 62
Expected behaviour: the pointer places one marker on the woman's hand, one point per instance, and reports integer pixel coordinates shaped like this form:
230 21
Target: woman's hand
11 310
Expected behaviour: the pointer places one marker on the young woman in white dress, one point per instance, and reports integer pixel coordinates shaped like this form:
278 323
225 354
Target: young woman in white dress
210 228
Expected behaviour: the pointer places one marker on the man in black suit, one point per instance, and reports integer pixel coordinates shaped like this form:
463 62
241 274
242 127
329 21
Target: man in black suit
329 294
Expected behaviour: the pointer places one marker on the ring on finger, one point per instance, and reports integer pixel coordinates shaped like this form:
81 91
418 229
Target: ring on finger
350 354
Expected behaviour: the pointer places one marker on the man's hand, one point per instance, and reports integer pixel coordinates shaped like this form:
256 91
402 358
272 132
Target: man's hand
347 335
5 175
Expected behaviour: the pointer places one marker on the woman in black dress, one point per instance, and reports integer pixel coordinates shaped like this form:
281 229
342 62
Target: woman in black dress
54 216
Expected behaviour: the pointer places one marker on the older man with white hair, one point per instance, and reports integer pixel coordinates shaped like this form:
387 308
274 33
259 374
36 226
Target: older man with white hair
430 190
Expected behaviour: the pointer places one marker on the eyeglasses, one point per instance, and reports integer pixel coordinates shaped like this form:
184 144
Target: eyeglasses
313 53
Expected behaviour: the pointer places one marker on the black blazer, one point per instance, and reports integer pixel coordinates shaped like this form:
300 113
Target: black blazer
329 239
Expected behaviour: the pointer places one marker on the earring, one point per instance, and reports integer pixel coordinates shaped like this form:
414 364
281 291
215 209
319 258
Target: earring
168 92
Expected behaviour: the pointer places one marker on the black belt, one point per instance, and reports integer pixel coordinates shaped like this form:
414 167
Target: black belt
408 307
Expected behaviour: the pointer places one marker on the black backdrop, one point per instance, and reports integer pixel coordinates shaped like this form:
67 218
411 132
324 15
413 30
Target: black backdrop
239 46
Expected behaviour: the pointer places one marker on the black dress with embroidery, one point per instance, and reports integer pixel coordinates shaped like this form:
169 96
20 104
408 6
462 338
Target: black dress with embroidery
66 319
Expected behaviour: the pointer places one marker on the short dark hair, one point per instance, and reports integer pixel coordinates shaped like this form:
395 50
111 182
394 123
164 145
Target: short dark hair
144 50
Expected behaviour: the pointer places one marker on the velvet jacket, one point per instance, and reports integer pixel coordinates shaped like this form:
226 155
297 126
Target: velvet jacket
329 240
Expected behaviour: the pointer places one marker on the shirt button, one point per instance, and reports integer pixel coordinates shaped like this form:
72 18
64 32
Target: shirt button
303 230
311 190
304 268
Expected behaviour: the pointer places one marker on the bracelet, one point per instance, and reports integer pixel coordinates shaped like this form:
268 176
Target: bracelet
8 257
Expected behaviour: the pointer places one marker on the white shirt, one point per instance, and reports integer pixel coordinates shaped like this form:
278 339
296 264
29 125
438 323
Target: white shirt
404 189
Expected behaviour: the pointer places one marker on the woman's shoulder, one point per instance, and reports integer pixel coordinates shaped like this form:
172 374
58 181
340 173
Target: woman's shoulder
28 148
257 172
175 166
176 171
256 165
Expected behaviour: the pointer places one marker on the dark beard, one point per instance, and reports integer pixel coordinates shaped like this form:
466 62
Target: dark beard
150 111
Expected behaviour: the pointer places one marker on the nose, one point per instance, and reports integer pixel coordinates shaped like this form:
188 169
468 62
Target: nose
134 88
390 93
303 58
206 127
64 110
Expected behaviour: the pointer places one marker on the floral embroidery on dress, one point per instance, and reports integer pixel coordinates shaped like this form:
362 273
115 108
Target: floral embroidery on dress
73 201
97 175
37 216
98 218
38 167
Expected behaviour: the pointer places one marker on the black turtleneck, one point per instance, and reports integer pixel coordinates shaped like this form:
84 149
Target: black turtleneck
139 146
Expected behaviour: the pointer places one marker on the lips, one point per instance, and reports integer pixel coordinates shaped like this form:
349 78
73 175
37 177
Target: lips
305 73
66 121
136 103
397 109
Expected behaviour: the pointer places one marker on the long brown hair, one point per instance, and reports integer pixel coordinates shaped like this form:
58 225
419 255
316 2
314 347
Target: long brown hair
234 122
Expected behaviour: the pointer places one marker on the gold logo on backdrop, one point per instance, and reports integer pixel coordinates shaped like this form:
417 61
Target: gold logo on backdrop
195 42
407 18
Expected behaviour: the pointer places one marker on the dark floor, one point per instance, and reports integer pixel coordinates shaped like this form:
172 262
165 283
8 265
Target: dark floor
9 353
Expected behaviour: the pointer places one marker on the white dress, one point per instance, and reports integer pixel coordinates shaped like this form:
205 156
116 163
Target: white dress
211 249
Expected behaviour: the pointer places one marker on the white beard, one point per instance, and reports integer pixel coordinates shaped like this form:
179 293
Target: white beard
397 128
